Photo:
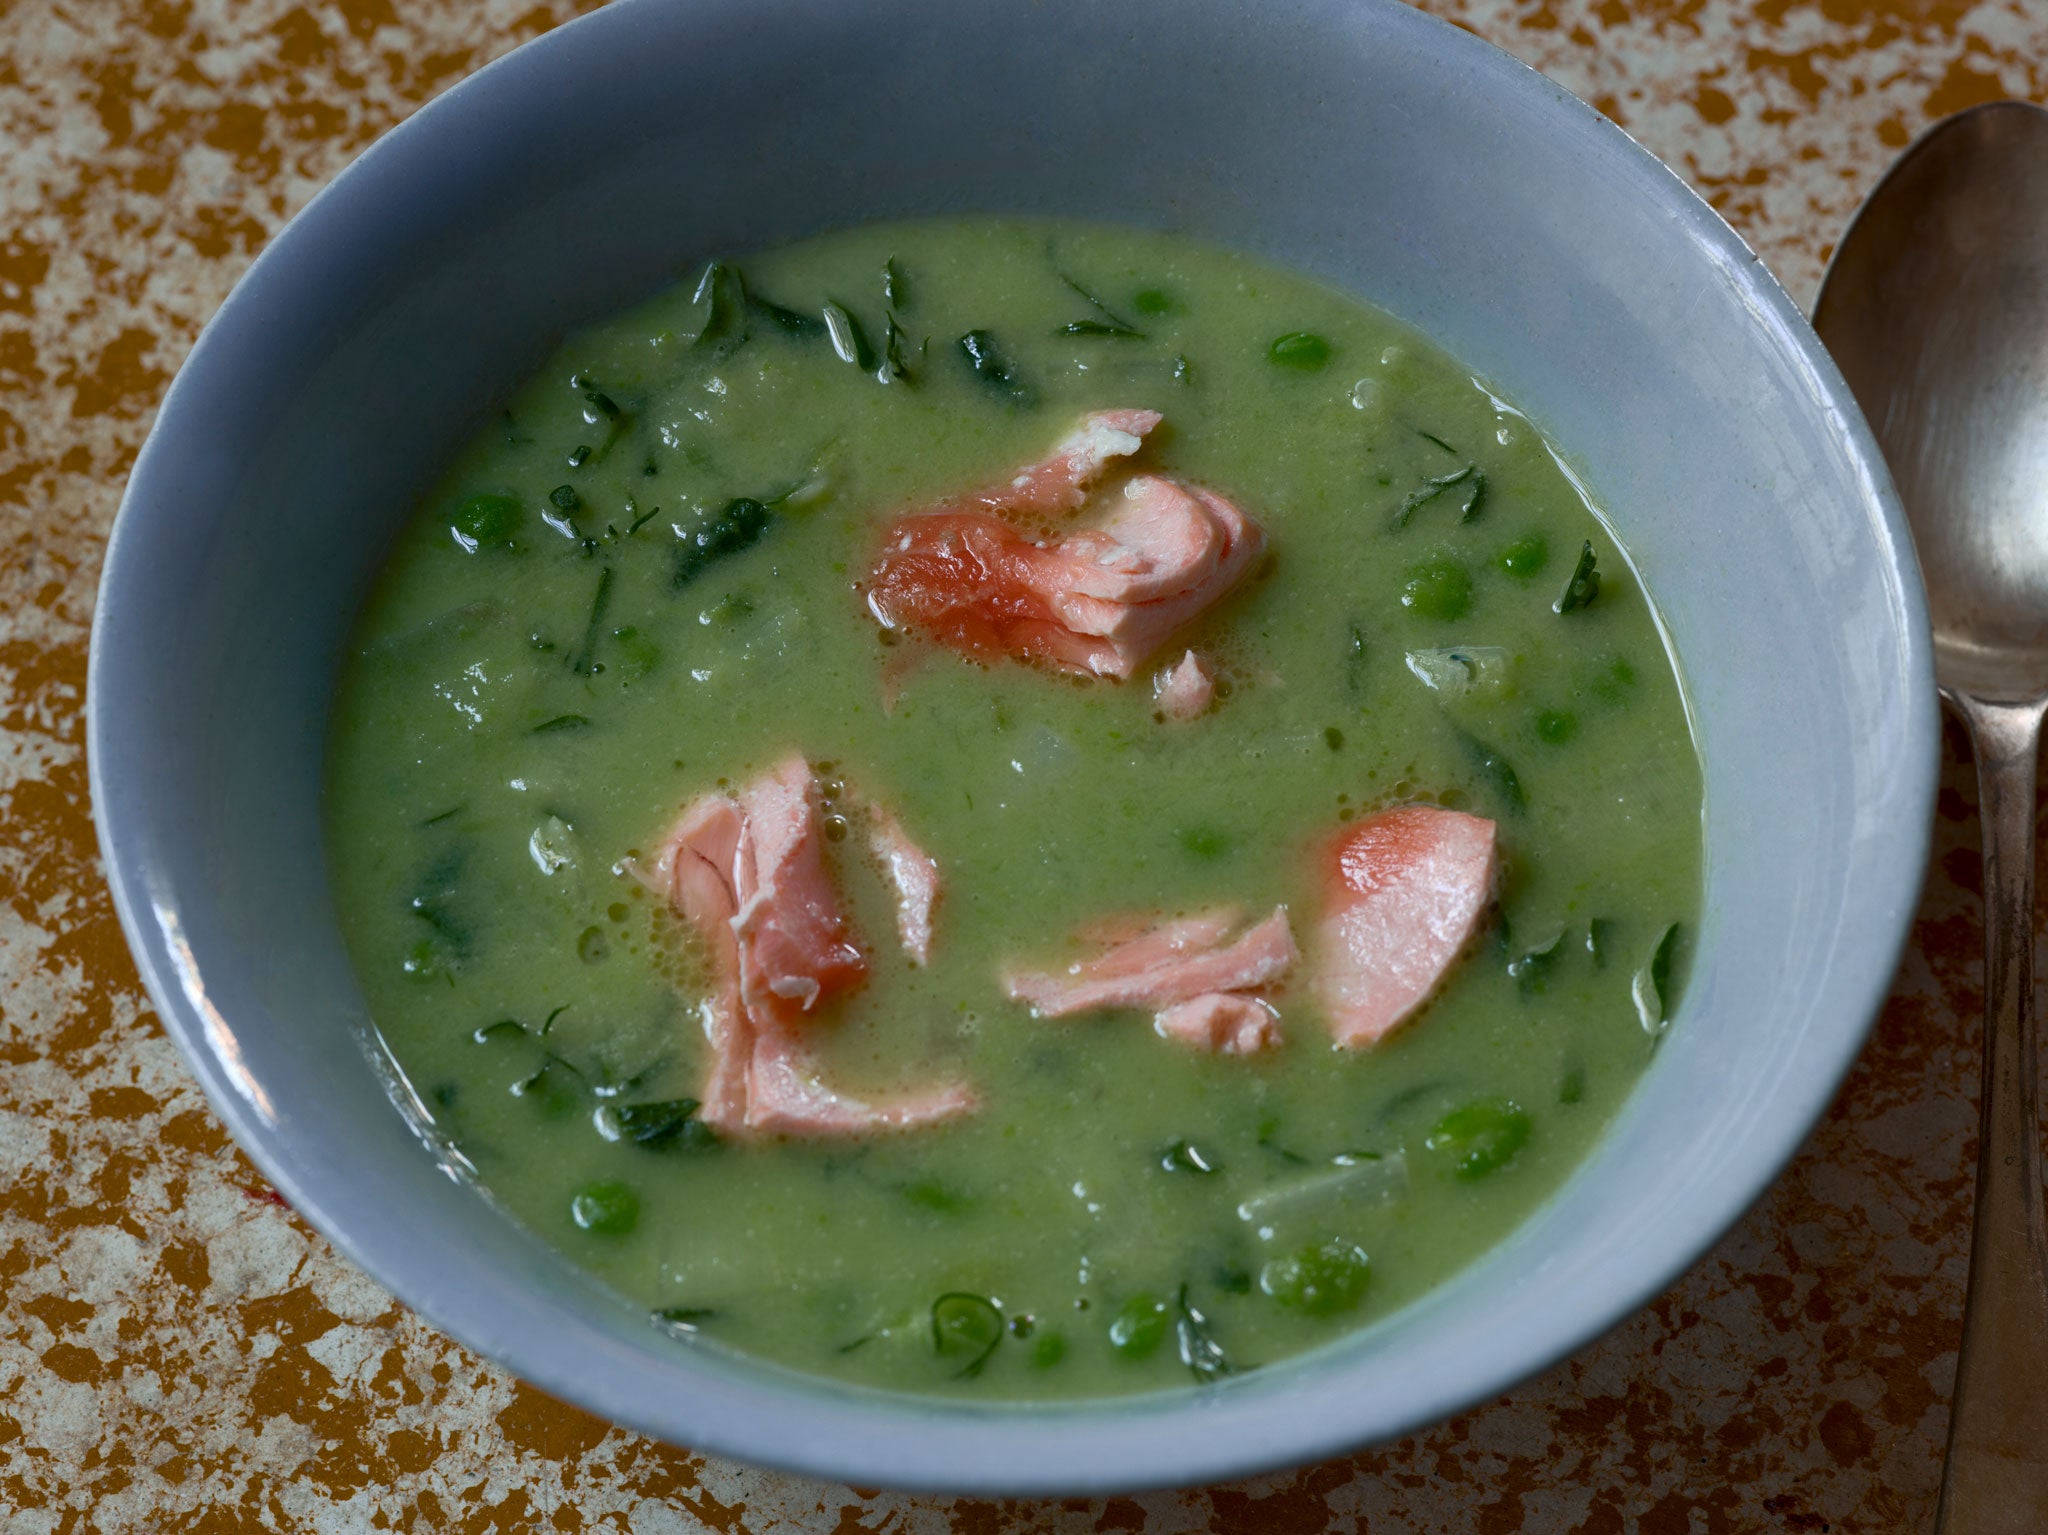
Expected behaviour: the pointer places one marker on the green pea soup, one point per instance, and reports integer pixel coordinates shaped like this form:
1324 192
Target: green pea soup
643 581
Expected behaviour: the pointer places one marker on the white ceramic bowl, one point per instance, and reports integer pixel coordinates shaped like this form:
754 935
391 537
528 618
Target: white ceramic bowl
1388 153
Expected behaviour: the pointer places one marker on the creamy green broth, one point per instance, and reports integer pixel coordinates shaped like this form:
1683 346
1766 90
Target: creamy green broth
531 696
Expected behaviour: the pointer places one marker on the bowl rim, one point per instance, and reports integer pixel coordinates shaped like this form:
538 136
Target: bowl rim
866 1442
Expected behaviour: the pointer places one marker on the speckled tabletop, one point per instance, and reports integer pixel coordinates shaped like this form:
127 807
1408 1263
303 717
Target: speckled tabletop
179 1353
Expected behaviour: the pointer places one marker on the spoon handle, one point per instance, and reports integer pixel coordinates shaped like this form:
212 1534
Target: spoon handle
1996 1477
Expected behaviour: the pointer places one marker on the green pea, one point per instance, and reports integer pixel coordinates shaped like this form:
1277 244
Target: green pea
1047 1350
1319 1280
1439 587
1612 678
1299 349
485 519
637 654
1139 1327
607 1209
1556 726
1480 1137
966 1326
1524 557
1153 301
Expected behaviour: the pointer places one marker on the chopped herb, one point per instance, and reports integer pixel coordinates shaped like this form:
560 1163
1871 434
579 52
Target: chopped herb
849 340
790 322
491 1031
1333 738
895 293
445 1094
1534 964
1301 350
736 526
548 1022
930 1194
1651 987
579 455
436 820
657 1125
564 498
1584 585
1153 301
1205 842
1495 770
585 662
1047 1350
1183 370
1597 933
1354 659
1572 1089
1435 485
1108 323
1556 726
719 301
1186 1157
433 902
1269 1127
642 520
966 1324
1432 437
683 1319
563 721
1200 1352
995 371
893 365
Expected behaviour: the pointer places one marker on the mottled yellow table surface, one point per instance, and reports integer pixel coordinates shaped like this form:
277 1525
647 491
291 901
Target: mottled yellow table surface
179 1353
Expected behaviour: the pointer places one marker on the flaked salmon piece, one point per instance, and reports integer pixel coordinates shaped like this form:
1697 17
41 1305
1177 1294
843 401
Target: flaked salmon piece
916 878
730 1040
1098 600
794 946
1226 1022
1185 689
747 872
786 1097
1168 963
1161 541
1404 892
1058 483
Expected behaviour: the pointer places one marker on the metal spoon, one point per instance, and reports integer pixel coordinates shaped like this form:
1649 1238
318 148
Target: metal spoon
1936 307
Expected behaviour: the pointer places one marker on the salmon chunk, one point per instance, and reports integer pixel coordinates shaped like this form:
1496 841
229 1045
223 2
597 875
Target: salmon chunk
1225 1022
786 1097
1404 892
916 879
1098 601
1185 689
795 948
1190 971
1059 482
747 872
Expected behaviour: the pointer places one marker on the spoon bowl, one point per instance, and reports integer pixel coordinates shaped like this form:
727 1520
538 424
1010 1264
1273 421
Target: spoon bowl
1936 309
